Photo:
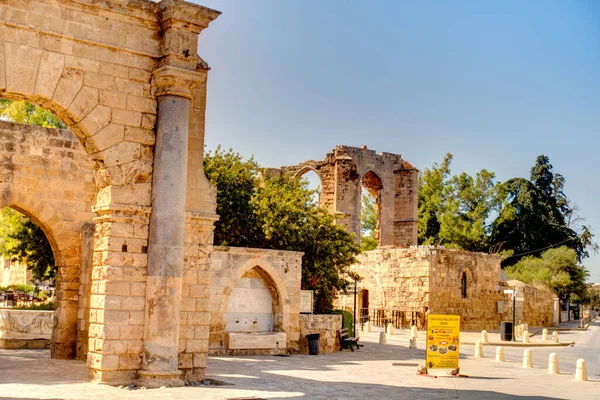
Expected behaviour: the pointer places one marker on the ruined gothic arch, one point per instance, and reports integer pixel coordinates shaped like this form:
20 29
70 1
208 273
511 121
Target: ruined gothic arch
307 169
341 173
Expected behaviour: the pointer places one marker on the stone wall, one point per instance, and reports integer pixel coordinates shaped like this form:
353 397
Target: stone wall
46 174
24 328
13 273
282 273
479 309
429 279
537 307
325 325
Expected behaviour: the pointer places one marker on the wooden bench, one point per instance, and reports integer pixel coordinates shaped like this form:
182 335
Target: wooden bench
347 341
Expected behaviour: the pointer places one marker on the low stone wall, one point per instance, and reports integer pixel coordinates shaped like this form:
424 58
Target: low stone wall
536 309
25 329
326 325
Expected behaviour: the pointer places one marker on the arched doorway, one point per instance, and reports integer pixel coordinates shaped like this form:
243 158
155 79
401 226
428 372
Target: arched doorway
48 177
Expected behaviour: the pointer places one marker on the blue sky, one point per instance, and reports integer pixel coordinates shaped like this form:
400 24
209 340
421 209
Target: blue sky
495 83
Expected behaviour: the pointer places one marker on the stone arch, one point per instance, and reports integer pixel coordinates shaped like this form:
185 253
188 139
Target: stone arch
66 247
104 67
47 176
307 168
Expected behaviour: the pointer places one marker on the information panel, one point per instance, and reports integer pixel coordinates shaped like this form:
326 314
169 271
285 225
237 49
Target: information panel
443 339
306 301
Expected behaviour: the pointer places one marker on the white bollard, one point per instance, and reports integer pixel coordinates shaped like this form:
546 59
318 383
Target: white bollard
545 334
517 330
368 326
555 337
484 337
357 333
382 338
412 342
581 372
479 349
413 331
390 330
553 364
500 354
526 337
527 360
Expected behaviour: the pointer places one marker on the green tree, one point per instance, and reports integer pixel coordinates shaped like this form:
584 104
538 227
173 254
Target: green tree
23 112
534 216
23 240
279 212
236 182
556 269
433 186
464 215
368 223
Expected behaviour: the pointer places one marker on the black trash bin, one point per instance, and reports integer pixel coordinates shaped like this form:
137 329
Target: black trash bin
313 343
506 331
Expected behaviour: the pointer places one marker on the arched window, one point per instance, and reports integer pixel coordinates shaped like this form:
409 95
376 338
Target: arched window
463 285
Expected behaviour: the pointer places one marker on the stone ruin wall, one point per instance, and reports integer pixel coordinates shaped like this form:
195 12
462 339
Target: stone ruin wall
479 309
282 272
537 308
14 273
392 181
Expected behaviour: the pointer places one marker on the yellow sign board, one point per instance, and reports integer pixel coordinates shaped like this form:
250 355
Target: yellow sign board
443 339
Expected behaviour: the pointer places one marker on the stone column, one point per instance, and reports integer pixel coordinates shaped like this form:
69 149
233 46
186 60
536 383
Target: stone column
167 226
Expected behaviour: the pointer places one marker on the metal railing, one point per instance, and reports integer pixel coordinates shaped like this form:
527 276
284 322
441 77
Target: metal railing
399 319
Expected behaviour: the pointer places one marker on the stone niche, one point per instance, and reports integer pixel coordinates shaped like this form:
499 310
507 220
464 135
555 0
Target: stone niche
254 301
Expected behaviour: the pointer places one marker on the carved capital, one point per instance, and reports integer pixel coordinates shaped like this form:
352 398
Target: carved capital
169 80
181 22
185 15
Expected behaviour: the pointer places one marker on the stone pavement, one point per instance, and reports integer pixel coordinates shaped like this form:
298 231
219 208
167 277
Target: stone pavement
375 371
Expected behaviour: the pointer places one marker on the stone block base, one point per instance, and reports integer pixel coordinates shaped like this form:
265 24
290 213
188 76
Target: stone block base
24 343
114 378
258 340
156 379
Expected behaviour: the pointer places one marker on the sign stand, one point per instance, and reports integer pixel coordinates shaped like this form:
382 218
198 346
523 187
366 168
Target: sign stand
443 342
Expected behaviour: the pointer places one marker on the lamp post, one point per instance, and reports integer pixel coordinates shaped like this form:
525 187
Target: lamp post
514 339
354 331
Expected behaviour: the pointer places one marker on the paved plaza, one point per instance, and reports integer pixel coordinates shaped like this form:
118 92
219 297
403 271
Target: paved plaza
375 371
